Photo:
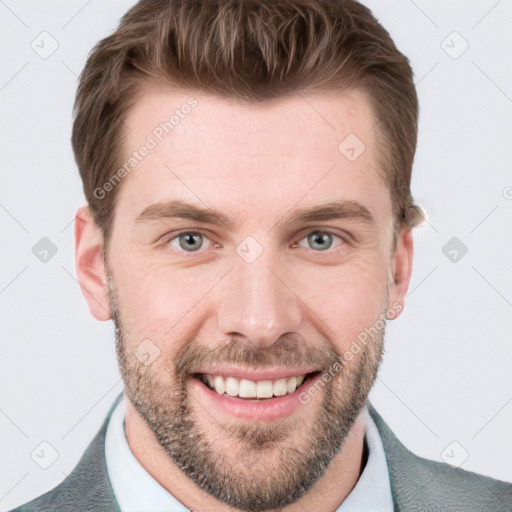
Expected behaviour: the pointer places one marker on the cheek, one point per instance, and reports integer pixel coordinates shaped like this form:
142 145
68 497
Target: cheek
347 299
164 304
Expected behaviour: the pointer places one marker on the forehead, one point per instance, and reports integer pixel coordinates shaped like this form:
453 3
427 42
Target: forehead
247 157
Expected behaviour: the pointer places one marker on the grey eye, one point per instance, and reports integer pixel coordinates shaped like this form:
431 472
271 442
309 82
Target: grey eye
320 240
189 242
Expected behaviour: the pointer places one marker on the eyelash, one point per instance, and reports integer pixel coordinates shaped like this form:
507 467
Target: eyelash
176 236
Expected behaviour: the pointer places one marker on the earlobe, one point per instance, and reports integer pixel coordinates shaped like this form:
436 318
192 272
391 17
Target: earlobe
90 268
400 270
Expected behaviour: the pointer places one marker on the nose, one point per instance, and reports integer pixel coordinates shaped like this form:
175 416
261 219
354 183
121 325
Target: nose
257 304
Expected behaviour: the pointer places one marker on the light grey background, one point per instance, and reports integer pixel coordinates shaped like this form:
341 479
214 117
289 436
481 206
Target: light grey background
446 376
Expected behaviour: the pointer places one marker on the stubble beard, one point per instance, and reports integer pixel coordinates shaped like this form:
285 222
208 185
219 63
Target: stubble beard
265 467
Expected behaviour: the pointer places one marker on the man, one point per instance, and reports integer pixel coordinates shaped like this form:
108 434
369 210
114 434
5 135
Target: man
247 168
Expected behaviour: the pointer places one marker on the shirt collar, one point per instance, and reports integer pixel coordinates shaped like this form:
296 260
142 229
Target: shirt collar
372 491
135 489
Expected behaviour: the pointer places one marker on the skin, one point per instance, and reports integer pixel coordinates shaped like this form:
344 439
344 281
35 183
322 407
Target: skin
255 164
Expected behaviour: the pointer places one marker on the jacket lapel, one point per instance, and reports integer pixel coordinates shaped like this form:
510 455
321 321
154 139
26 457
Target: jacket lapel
87 488
422 484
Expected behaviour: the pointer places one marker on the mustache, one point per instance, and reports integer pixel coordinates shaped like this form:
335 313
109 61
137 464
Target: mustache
288 351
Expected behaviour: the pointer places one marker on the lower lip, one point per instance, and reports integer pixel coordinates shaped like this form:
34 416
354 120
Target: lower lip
270 409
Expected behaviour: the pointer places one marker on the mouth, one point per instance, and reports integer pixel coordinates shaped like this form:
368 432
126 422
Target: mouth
254 390
253 396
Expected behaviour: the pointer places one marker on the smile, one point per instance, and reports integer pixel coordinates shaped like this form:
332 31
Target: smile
267 396
245 388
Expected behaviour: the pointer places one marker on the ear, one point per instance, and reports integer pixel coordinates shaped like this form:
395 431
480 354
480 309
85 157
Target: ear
89 265
400 270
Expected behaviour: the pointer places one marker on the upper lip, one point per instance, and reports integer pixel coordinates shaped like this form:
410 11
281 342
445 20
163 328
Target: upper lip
255 374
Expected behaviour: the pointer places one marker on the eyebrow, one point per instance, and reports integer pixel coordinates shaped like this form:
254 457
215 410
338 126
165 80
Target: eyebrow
339 209
182 210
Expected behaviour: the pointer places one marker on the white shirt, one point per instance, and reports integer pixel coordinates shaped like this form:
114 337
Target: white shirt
137 491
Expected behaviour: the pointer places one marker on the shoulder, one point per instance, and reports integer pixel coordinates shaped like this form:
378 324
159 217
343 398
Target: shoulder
87 488
420 484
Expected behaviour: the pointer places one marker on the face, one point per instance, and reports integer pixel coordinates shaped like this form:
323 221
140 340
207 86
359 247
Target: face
250 273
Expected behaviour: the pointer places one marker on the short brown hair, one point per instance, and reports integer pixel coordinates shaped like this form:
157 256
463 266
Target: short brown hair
250 50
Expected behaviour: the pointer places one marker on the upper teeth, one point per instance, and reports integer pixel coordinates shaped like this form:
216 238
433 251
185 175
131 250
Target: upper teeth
245 388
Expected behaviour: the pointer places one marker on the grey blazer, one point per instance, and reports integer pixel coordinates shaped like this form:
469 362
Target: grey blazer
417 484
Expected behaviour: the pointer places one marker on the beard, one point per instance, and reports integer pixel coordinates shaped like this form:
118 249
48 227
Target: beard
257 466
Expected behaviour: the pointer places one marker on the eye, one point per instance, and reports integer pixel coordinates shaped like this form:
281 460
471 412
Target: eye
189 241
319 240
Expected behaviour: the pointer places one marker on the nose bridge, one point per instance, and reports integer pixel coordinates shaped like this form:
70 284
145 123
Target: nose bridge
256 303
